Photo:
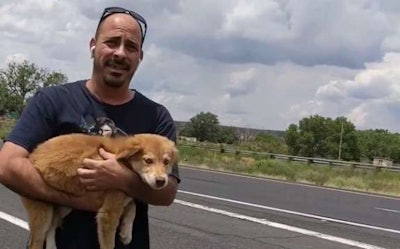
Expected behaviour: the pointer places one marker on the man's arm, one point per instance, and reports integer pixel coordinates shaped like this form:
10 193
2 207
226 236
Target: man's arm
137 188
19 175
109 174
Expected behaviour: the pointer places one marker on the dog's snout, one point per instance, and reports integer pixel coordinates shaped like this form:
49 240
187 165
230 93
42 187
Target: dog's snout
160 182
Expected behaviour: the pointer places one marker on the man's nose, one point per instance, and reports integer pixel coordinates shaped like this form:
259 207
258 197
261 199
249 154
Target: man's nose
120 51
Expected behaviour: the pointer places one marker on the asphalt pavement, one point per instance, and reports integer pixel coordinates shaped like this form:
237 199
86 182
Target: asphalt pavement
217 210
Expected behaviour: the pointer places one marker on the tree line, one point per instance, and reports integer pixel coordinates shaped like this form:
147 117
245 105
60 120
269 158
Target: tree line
20 80
313 136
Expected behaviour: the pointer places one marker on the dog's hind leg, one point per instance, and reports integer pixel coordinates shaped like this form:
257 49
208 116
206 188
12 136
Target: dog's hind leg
51 235
40 216
58 215
108 218
126 226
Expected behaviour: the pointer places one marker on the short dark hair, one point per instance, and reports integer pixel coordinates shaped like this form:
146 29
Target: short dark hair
114 10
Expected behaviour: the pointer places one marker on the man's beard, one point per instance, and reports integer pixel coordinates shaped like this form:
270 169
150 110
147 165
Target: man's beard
114 81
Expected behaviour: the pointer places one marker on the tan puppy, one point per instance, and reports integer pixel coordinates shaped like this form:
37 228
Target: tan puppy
58 159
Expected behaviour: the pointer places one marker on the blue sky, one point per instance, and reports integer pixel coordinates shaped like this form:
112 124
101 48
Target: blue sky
254 63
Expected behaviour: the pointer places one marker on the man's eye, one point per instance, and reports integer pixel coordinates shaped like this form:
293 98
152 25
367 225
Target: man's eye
131 48
112 43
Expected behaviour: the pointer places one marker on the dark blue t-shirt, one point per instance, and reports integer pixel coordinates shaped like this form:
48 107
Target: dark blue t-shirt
71 108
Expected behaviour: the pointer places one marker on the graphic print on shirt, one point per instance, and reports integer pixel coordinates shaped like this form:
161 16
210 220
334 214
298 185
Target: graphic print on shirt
101 126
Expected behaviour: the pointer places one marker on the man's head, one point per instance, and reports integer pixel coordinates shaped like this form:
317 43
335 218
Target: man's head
117 46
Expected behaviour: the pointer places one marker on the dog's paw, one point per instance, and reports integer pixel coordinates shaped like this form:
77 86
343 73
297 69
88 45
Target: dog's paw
125 234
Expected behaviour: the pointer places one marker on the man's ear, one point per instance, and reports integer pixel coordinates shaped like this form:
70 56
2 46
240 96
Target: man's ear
92 46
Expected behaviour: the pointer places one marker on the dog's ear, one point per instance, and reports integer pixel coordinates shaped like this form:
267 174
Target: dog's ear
129 150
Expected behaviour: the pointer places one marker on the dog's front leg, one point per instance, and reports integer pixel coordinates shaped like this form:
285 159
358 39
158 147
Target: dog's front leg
127 219
108 218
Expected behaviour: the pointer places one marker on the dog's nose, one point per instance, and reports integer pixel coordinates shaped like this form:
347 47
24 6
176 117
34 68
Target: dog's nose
160 182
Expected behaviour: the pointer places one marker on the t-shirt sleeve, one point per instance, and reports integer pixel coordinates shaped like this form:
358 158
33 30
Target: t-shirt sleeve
36 123
166 127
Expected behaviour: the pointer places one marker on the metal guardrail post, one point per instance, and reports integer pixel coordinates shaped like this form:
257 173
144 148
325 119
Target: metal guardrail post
221 149
237 153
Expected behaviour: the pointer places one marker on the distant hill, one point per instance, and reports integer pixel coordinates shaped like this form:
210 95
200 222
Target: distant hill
245 134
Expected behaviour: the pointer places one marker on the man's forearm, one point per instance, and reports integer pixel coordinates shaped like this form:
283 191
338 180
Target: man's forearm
136 188
22 178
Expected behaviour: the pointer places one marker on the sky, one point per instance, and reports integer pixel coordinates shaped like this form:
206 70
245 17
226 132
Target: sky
260 64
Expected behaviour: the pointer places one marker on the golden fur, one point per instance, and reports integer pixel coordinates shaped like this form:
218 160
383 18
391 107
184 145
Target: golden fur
58 159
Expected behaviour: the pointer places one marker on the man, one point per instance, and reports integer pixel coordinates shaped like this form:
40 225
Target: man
79 107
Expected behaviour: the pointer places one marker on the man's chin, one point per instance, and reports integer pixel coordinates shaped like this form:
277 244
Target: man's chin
114 82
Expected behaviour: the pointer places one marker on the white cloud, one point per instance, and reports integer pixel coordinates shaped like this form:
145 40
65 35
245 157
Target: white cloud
342 33
358 115
242 83
18 58
264 21
255 63
370 100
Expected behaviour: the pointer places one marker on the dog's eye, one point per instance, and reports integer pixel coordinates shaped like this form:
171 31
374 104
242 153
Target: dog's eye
148 160
166 162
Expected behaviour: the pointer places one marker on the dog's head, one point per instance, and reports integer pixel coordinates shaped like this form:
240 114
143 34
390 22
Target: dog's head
151 156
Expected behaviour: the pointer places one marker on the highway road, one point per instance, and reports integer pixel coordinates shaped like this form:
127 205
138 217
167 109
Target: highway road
219 210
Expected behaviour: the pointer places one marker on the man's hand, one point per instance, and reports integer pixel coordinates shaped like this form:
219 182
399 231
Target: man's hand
107 173
104 174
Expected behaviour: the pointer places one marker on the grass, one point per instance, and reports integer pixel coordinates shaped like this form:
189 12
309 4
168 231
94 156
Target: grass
372 181
5 127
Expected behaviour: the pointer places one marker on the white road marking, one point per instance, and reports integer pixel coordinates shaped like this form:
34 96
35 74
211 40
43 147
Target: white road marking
322 218
281 226
14 220
388 210
23 224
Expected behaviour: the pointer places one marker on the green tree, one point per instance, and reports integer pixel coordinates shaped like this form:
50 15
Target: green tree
292 139
395 147
3 96
313 132
379 143
19 81
54 78
268 143
227 135
349 146
203 126
317 136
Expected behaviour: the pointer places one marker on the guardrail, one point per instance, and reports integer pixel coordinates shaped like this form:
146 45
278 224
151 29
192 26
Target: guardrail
309 160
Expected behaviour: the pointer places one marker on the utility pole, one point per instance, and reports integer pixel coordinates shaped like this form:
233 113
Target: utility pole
340 142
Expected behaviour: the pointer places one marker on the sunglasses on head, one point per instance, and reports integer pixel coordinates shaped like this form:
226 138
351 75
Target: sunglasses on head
114 10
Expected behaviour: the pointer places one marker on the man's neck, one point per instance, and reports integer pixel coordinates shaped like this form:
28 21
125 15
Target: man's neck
109 95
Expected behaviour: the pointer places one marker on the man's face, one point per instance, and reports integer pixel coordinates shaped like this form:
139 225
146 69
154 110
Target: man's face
118 50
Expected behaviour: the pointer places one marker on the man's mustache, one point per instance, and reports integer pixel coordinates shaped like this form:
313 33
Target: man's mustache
119 63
